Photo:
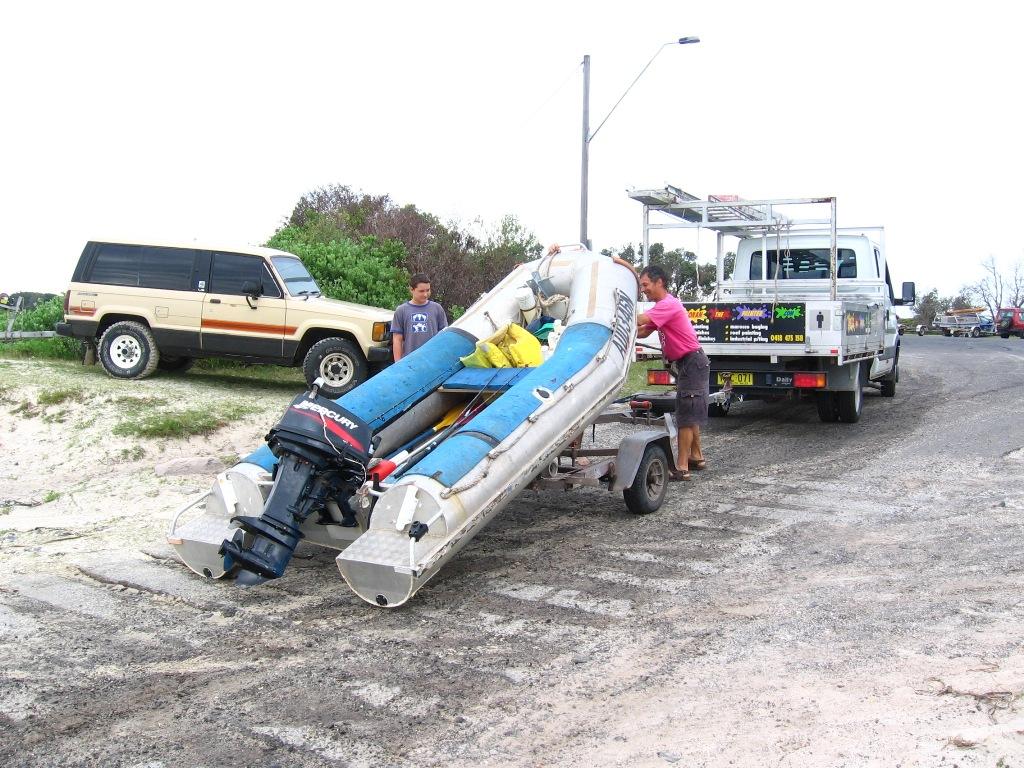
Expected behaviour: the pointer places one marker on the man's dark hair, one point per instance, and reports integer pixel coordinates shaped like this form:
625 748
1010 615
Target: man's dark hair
419 277
655 273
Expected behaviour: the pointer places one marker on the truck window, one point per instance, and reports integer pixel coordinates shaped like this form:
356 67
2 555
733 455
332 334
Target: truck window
230 270
116 264
166 268
804 264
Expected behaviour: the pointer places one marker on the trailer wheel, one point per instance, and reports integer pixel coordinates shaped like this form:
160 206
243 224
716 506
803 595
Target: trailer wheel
647 492
719 409
975 332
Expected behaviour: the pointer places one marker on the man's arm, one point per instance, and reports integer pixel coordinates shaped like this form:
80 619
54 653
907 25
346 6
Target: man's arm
644 326
398 332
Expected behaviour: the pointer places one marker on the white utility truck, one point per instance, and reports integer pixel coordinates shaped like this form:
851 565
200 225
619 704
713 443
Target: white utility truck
808 309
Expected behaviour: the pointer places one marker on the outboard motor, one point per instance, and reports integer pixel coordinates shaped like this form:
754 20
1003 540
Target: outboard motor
322 452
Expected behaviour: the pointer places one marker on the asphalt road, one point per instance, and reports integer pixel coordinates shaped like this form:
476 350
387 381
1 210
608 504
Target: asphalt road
825 594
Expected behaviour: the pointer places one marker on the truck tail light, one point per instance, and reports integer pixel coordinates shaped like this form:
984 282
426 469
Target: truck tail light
660 376
67 300
380 331
809 380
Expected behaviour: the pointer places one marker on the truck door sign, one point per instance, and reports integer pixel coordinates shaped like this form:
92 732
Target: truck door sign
749 323
858 323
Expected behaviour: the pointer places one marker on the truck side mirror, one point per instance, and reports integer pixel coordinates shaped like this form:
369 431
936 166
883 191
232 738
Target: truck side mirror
909 294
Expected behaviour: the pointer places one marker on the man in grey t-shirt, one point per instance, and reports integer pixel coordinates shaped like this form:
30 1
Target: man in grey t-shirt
418 320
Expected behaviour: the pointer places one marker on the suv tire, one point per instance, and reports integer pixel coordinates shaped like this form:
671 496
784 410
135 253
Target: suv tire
169 364
339 363
128 350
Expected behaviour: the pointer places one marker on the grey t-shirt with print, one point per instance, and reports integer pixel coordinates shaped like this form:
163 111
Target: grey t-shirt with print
418 324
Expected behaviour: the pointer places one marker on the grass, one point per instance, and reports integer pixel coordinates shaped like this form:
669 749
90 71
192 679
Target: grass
26 409
55 396
134 453
192 421
138 400
59 348
50 496
636 381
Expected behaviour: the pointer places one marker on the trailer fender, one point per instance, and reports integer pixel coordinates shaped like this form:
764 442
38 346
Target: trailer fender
631 452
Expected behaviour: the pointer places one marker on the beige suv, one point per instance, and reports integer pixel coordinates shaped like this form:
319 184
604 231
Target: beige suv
143 307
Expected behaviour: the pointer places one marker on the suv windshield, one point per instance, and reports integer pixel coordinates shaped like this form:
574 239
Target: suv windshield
297 280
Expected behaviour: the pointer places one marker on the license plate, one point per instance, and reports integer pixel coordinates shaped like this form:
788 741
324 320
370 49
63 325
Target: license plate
737 379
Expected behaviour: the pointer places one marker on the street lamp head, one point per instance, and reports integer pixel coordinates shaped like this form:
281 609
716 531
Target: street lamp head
688 40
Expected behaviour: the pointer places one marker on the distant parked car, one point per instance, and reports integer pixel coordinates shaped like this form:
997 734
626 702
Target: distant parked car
144 307
1010 320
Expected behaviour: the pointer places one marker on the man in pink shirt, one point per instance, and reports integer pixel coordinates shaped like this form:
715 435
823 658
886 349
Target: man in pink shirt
689 364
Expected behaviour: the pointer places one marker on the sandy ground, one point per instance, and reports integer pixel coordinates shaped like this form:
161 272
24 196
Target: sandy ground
824 595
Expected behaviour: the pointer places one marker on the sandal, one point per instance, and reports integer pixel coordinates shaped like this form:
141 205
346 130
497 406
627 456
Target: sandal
698 464
678 474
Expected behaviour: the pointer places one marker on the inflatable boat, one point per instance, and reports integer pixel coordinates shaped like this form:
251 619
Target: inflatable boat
402 472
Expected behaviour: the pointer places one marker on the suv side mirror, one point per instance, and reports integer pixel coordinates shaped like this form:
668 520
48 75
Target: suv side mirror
909 294
252 291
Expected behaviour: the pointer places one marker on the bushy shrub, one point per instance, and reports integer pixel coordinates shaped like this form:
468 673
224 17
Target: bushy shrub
42 317
462 261
365 271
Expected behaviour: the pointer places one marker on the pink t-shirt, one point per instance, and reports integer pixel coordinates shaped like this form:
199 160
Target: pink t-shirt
672 320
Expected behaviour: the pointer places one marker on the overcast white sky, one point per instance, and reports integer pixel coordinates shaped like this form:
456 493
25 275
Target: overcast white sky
208 120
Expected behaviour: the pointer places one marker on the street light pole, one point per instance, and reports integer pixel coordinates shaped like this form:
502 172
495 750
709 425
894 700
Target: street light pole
589 137
585 170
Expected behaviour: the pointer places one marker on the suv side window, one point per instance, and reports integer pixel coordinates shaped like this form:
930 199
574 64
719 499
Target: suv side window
270 289
116 264
230 270
166 268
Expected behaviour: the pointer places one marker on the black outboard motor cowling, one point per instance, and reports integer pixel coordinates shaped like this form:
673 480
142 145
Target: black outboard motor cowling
322 452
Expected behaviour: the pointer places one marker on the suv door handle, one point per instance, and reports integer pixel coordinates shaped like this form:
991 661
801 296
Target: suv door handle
215 301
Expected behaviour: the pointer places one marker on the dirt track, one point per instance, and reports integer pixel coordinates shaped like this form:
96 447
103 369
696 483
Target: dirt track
824 595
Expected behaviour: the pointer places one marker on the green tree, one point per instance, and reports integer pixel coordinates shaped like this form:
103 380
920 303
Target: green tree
365 271
461 263
928 306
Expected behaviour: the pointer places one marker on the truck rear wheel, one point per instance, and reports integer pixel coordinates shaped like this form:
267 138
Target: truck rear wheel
850 404
826 402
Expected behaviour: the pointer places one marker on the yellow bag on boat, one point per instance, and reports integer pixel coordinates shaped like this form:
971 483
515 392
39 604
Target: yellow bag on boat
521 347
511 347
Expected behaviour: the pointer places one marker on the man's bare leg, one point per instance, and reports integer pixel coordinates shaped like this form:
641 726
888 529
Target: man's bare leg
685 446
696 451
